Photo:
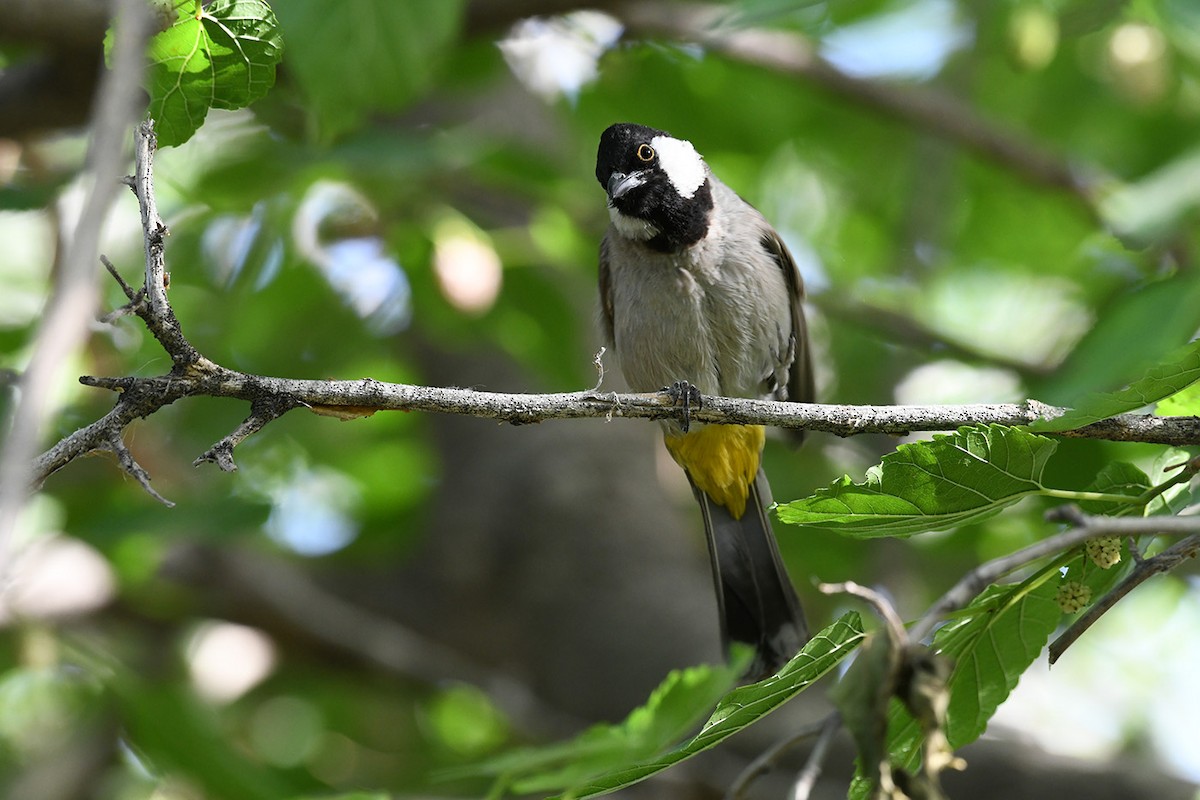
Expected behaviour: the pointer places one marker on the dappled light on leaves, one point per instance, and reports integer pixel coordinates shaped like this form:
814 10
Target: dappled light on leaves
388 252
556 57
1137 56
311 508
328 230
912 41
467 267
947 381
226 660
57 576
286 731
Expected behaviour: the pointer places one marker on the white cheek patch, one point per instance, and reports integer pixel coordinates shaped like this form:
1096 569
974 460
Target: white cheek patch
682 164
632 227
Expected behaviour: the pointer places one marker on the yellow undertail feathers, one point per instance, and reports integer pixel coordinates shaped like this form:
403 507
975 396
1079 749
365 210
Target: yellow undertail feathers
722 460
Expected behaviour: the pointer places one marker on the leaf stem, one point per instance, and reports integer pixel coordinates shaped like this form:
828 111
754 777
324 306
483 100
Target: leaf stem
1100 497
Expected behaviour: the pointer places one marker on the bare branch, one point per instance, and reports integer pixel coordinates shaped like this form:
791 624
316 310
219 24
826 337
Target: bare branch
766 760
806 781
158 315
116 445
881 604
262 412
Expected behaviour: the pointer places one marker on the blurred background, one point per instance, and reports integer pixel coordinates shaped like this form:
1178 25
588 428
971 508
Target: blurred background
989 201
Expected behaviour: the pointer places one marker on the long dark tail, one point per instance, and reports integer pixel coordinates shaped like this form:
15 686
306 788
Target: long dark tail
757 602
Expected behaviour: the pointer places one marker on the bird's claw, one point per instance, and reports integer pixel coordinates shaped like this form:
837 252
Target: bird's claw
685 397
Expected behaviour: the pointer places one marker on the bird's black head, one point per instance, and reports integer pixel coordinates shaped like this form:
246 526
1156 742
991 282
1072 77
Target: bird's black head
658 188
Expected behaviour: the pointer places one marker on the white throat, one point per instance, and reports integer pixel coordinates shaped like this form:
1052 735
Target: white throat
631 227
682 164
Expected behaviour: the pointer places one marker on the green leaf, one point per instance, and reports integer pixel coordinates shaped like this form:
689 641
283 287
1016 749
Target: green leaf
675 707
1175 372
372 55
1117 477
1004 631
610 757
744 706
927 486
992 641
1185 403
1132 329
222 56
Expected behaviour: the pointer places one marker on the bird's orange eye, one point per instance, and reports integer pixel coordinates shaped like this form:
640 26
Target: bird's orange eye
645 152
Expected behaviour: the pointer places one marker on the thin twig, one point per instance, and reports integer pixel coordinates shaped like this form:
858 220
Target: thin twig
1085 527
881 604
116 445
767 759
262 412
806 781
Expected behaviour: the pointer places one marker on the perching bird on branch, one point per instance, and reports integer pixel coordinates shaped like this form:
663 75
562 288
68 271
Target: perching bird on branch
699 295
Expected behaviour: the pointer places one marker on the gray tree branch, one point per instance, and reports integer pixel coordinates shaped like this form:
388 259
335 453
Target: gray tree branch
194 375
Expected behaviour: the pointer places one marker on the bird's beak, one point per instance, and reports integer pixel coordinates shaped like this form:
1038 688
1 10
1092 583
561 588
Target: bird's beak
619 183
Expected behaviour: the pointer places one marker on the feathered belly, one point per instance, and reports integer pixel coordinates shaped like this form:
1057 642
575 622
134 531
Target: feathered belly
661 336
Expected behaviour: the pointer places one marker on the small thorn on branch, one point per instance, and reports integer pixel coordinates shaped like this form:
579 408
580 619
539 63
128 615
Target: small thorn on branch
112 384
125 287
262 412
116 445
136 297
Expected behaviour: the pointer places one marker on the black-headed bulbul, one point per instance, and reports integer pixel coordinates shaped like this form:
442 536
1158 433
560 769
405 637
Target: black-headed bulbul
697 290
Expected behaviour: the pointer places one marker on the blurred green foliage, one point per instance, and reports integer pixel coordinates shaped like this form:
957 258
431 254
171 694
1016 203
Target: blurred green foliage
351 222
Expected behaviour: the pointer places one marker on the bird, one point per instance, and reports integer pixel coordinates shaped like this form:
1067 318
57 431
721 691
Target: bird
700 296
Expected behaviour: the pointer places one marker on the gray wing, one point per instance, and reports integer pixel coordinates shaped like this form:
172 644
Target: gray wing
606 303
800 387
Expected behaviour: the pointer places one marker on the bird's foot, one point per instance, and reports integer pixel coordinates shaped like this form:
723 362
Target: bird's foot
685 397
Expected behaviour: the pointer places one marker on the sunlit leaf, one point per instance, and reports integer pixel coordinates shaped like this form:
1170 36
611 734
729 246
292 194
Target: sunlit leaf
1004 630
925 486
1132 331
222 55
675 707
1116 477
1153 206
1175 372
1185 403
